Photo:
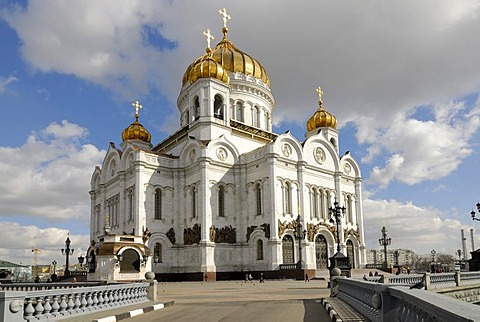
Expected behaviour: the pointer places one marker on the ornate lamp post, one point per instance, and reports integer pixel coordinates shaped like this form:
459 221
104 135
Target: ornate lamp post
54 263
473 212
459 253
384 241
336 213
81 259
67 251
300 235
434 259
397 255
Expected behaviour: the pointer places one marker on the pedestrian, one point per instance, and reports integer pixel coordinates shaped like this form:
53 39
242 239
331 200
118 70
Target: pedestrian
261 278
250 278
306 278
74 280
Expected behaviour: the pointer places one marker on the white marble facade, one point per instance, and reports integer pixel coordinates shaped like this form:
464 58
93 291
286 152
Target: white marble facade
222 193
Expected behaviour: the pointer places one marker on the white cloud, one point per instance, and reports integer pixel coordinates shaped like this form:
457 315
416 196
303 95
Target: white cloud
412 227
47 177
48 240
424 150
4 82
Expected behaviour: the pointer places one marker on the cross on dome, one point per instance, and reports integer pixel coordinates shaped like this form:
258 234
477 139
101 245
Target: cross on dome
225 16
137 107
319 92
209 37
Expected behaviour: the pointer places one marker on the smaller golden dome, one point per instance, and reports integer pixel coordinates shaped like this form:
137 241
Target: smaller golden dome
206 67
321 118
136 131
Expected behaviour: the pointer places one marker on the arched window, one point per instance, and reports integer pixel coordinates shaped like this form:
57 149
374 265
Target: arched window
288 198
259 116
315 203
239 112
158 204
218 107
259 249
351 253
287 250
221 201
130 204
157 253
258 194
130 262
197 108
194 203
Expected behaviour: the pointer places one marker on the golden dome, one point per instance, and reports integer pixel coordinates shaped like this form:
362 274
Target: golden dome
231 59
136 131
321 118
206 67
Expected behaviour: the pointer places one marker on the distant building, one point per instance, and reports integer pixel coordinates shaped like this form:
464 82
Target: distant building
17 272
376 257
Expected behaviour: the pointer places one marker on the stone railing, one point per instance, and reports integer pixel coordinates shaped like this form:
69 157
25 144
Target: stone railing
387 302
61 303
44 286
431 281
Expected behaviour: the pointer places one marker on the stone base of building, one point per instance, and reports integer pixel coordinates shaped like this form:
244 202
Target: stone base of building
297 274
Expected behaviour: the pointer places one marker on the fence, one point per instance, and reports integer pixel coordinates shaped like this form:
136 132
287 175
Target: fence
53 302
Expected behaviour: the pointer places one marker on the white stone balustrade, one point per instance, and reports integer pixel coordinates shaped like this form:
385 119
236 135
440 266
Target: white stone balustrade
60 303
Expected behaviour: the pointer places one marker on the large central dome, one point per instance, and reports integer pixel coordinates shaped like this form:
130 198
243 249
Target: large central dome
232 60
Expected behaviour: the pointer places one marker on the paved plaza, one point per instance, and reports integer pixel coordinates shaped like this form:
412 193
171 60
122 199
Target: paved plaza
285 300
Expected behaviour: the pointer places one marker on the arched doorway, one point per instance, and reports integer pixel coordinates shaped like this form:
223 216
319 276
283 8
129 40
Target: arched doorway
321 252
351 253
130 262
287 250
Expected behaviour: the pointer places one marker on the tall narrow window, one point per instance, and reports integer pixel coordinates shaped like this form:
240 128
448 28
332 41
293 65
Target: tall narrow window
157 253
259 117
130 204
187 116
194 203
239 112
197 108
221 201
218 107
158 204
315 203
258 194
288 195
259 249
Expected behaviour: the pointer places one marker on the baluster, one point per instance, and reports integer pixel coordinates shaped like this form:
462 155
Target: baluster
111 299
106 299
29 310
39 308
76 302
100 298
115 296
55 305
63 303
47 307
70 303
120 296
89 302
129 295
83 301
95 299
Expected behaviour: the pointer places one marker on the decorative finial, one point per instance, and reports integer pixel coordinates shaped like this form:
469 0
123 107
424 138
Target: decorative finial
137 106
320 94
209 36
225 17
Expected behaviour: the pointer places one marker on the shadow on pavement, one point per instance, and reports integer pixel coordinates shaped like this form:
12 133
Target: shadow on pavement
314 311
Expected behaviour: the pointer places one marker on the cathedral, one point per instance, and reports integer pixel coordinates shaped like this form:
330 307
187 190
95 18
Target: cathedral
223 195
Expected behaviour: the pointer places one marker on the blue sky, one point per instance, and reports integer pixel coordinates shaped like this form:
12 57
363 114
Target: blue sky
402 78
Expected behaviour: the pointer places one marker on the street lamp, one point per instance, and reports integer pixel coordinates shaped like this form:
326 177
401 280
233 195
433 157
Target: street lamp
473 212
300 235
397 255
434 254
384 241
54 263
81 259
459 253
67 251
336 212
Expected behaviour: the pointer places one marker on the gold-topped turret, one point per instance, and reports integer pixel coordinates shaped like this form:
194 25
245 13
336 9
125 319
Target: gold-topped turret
321 118
136 131
229 57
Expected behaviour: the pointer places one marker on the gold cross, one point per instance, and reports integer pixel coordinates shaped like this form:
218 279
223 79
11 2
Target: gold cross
319 92
137 106
209 36
225 16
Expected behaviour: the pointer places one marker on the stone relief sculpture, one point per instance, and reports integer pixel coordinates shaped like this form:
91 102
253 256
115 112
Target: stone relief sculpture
351 232
250 231
171 235
191 235
146 235
283 226
266 229
226 234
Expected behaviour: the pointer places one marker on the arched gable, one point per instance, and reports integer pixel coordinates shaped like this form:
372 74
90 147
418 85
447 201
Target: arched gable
223 150
191 151
353 166
111 163
321 153
287 146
